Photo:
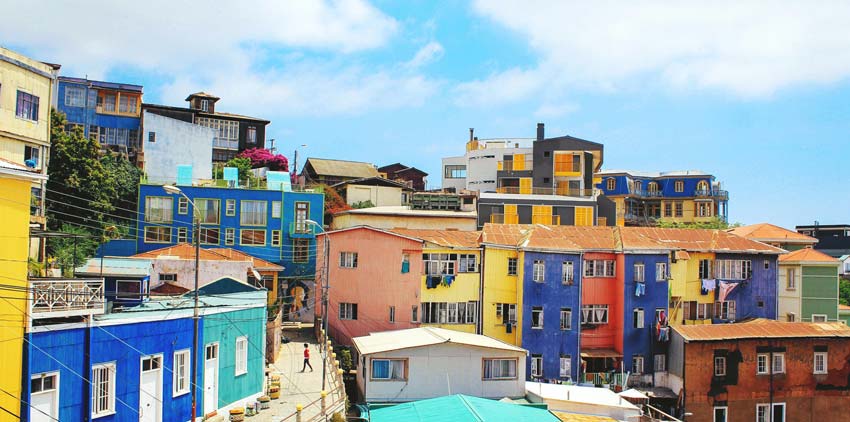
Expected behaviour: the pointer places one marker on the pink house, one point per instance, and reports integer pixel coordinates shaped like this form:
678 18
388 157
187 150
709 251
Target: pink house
373 284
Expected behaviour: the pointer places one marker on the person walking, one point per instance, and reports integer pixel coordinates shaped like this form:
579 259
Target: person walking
306 358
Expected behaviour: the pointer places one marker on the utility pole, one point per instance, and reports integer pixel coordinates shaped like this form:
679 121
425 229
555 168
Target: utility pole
325 317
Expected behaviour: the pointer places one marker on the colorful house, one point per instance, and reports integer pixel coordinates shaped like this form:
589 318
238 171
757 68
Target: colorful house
643 198
775 236
501 315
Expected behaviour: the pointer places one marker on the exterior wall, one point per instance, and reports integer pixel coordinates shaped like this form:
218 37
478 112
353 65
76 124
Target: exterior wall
819 292
374 285
807 397
643 341
465 288
14 250
20 73
439 370
760 288
299 277
552 295
224 328
208 271
176 143
499 287
597 291
456 183
565 209
789 299
686 284
384 221
380 196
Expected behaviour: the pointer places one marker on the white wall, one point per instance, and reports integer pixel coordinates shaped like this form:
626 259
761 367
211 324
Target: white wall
381 196
209 271
177 143
789 300
457 184
439 370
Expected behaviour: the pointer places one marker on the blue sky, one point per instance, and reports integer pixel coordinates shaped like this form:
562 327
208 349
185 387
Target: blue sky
754 93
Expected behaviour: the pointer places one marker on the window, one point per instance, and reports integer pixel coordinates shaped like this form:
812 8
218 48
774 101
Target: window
565 366
638 318
594 314
439 263
537 365
75 96
790 279
495 369
668 208
818 318
230 207
156 234
660 271
241 355
679 209
761 363
467 264
152 137
599 268
182 205
704 269
180 372
31 154
763 412
405 263
275 209
506 312
389 369
128 289
42 383
637 364
538 271
719 366
228 131
151 363
567 274
583 216
275 237
158 209
251 137
724 309
611 183
454 172
302 214
348 259
167 277
512 265
229 235
820 363
208 210
392 314
679 186
733 269
640 271
210 236
127 104
703 209
205 105
414 313
252 237
660 362
790 317
703 311
537 317
721 413
27 107
450 312
103 389
348 311
566 319
253 213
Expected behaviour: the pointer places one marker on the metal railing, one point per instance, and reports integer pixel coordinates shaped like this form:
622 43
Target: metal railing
61 297
225 143
546 191
515 165
648 194
301 227
712 193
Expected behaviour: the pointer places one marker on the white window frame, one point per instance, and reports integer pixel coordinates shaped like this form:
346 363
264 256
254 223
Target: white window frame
638 315
768 412
567 273
566 319
762 364
55 375
539 271
181 376
241 351
348 259
496 366
565 366
720 366
819 317
391 363
659 362
824 363
98 371
778 358
537 366
637 364
346 311
640 272
660 271
725 414
75 96
539 311
593 317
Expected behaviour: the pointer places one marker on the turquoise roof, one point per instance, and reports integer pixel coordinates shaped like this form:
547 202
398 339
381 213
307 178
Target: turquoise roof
112 266
460 408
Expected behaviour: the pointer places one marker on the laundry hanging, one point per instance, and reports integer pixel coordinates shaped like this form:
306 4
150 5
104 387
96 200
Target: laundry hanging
432 281
640 289
448 279
725 288
708 286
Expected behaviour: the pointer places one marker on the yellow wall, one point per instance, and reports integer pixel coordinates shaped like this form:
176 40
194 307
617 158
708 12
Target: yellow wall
463 289
499 287
13 251
686 284
688 212
14 131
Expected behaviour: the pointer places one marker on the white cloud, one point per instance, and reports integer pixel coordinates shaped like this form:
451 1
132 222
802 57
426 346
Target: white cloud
429 53
749 49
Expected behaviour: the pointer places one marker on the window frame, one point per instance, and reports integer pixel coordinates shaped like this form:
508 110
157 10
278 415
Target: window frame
722 361
639 272
182 235
186 355
638 317
493 361
513 264
791 278
539 311
347 311
202 210
170 209
820 318
159 236
276 238
538 271
567 273
69 100
254 221
348 259
638 369
205 235
242 237
229 236
277 207
825 362
778 357
592 308
404 362
763 361
568 312
241 356
679 186
27 106
660 271
230 207
725 414
110 369
536 365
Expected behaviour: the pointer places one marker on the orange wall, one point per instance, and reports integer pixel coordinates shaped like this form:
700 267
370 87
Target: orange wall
376 284
601 291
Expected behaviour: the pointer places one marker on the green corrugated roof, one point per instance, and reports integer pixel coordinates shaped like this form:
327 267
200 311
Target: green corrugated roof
460 408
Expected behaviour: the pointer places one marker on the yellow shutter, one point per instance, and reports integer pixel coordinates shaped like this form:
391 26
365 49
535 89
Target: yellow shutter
541 214
519 162
511 216
584 216
525 186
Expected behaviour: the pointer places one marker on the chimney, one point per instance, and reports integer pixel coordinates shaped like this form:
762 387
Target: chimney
540 132
471 131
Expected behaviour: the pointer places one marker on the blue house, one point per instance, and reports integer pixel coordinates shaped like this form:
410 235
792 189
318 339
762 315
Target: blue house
106 111
136 365
645 312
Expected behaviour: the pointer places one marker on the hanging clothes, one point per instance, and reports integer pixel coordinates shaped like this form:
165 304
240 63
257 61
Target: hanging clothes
725 288
708 286
432 281
640 289
664 334
449 279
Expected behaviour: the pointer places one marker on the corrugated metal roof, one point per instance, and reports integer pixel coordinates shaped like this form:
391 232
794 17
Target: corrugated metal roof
424 336
704 240
237 255
578 417
808 255
505 234
182 251
448 238
762 328
766 232
115 266
575 393
460 407
353 169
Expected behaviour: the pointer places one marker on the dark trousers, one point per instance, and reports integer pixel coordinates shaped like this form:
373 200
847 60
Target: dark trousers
306 364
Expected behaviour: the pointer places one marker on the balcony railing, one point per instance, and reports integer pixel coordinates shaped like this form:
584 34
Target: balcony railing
515 165
713 193
546 191
302 229
648 194
63 297
225 143
504 219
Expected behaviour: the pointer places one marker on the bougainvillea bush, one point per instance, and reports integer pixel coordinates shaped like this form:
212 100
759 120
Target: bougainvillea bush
264 158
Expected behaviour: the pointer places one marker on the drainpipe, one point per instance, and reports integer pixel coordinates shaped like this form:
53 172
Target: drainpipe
479 327
770 367
88 389
580 288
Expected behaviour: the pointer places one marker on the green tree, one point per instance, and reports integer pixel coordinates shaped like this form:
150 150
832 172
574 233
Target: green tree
844 291
71 252
714 223
125 177
243 164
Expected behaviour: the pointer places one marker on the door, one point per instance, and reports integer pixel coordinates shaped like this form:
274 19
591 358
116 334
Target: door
211 378
44 397
150 389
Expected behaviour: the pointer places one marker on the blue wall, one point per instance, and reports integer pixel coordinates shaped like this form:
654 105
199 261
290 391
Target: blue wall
638 341
551 342
666 185
761 287
88 116
317 211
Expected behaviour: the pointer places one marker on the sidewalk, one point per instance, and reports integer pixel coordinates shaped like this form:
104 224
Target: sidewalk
299 387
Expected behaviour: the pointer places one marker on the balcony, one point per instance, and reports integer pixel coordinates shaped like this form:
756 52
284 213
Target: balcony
516 190
549 220
65 297
714 193
301 229
515 165
504 218
647 194
225 143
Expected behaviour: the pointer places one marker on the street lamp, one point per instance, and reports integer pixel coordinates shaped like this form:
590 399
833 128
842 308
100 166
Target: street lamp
325 255
174 190
295 160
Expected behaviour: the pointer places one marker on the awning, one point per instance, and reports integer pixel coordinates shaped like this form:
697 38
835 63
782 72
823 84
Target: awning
600 353
682 255
633 394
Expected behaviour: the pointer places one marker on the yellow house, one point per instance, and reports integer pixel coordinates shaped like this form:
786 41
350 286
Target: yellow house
501 316
450 291
27 88
15 185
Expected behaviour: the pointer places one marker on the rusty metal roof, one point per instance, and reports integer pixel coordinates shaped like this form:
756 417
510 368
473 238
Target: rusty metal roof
705 240
762 328
181 251
808 255
258 264
505 234
766 232
448 238
352 169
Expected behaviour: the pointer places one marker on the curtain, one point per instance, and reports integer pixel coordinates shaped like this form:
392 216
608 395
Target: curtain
381 369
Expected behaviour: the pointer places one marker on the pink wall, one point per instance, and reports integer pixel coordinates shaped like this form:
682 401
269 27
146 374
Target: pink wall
376 284
604 291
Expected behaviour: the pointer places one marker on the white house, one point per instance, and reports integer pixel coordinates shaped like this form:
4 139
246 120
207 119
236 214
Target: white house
583 400
168 143
428 362
845 265
476 170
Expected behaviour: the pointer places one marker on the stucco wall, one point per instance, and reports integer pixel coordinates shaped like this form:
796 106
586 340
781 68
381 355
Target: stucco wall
499 287
176 143
465 288
209 271
789 299
380 196
384 221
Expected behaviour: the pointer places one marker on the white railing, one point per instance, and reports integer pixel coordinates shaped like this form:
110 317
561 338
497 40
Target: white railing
62 297
225 143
